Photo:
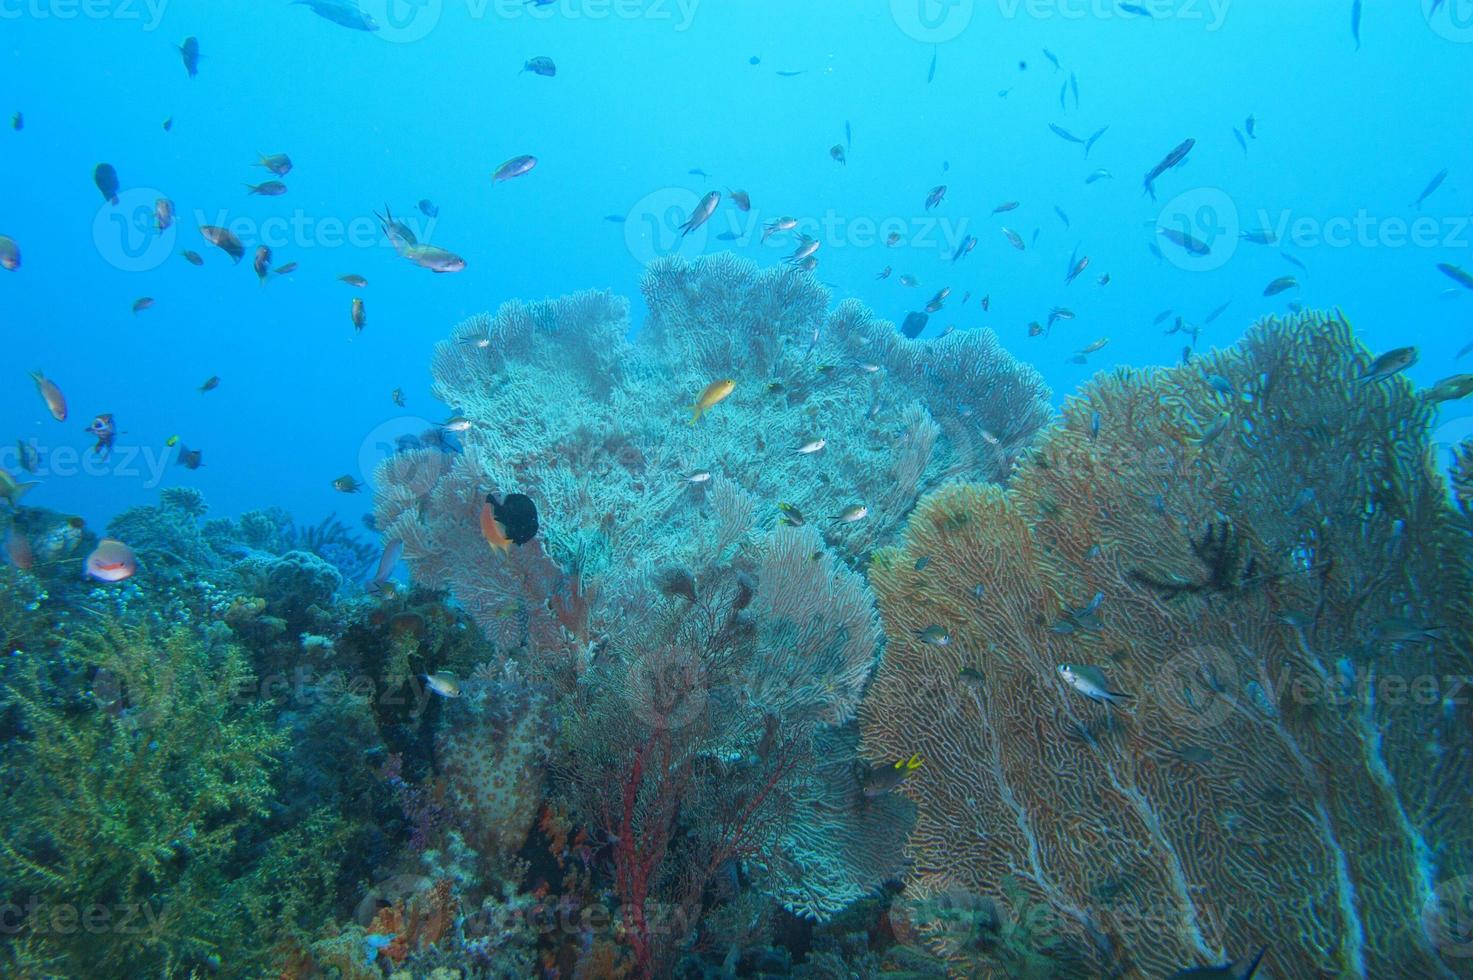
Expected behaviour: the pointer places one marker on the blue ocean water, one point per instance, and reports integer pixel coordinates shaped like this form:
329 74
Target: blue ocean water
1191 690
429 105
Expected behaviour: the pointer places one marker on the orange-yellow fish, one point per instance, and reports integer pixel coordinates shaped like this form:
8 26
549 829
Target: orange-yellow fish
491 529
52 395
714 394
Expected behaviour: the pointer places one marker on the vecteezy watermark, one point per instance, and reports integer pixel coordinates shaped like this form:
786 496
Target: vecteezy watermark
1447 917
656 227
304 686
1212 13
1450 19
1203 228
932 21
1196 687
127 234
125 462
680 13
403 21
148 13
69 918
1198 229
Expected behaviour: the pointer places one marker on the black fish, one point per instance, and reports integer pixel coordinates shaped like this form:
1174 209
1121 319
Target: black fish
541 65
517 515
189 51
1171 159
106 179
346 13
428 208
914 324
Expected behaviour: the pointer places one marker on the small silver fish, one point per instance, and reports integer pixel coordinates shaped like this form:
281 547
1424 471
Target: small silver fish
1091 682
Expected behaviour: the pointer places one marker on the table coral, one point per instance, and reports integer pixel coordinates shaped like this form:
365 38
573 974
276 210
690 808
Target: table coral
1284 591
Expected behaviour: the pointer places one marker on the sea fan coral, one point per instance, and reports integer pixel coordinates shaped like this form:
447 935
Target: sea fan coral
1257 549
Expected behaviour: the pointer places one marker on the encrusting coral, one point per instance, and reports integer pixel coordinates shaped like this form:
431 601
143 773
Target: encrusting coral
1257 549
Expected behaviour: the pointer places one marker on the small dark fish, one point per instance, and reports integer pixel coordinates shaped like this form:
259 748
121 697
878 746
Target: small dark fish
1391 363
1074 88
1293 261
278 163
211 383
789 74
697 172
1250 126
106 179
540 65
224 239
931 74
1052 60
168 124
1281 284
1079 267
141 304
1182 239
1005 206
514 167
190 459
740 198
1014 238
189 51
1136 10
9 254
269 188
837 153
936 195
262 263
286 270
1238 135
1259 237
192 257
1457 274
702 212
922 562
344 13
1217 312
1432 186
1099 175
428 208
987 303
1172 159
1064 134
617 219
1241 970
346 484
18 122
848 139
754 60
1062 216
1162 317
360 316
914 325
1355 12
729 236
962 251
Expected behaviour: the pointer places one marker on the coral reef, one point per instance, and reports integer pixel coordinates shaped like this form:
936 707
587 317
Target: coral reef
699 664
1255 547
